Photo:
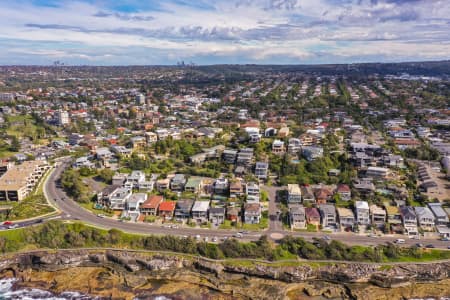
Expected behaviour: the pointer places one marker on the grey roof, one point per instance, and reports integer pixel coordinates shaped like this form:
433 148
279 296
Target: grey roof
217 211
184 205
407 212
328 209
437 209
423 212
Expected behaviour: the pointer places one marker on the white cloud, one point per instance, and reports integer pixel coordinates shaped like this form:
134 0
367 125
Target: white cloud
251 30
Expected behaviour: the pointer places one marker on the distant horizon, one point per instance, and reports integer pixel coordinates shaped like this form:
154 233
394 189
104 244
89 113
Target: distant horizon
216 32
230 64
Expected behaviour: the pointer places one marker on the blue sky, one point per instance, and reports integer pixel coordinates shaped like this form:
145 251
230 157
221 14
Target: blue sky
144 32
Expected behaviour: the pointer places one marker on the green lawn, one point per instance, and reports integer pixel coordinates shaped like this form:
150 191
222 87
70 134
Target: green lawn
263 224
31 207
226 225
91 207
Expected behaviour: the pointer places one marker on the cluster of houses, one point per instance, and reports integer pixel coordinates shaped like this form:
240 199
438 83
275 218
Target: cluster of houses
304 209
129 194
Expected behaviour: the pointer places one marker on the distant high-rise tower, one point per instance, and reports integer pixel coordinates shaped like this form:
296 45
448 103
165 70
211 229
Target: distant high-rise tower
62 117
140 99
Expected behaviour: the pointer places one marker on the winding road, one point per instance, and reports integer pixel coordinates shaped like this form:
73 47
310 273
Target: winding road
70 210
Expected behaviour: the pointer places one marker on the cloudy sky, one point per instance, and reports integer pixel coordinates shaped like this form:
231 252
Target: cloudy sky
122 32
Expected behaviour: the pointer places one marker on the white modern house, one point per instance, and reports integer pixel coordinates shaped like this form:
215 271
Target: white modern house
362 212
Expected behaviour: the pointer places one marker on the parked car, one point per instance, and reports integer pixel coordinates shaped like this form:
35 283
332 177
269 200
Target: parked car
399 241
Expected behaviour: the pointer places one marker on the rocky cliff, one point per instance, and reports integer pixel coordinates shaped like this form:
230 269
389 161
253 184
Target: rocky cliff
124 275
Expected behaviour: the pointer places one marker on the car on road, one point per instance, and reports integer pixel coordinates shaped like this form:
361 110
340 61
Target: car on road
419 245
7 223
238 235
326 237
430 246
13 226
399 241
101 215
214 239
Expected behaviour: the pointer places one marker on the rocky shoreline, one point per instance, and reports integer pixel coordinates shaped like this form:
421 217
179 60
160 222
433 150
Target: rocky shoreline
126 275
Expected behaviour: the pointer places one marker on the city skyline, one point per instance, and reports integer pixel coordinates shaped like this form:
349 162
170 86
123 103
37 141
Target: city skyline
135 32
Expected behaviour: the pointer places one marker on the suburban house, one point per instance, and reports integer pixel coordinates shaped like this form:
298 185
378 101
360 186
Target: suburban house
377 172
297 216
244 157
166 209
229 156
312 216
119 179
232 214
322 195
119 197
294 145
343 190
261 170
104 196
378 216
394 218
162 184
252 213
441 217
221 186
278 147
346 218
178 182
217 215
151 205
362 212
134 179
425 217
133 204
252 192
146 185
312 152
199 211
236 188
138 142
183 209
307 194
328 215
409 219
193 185
294 194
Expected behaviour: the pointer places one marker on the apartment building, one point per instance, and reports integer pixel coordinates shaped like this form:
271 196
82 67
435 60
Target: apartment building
19 180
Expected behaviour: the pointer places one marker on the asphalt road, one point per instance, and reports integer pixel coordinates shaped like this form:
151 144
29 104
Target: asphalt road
72 211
